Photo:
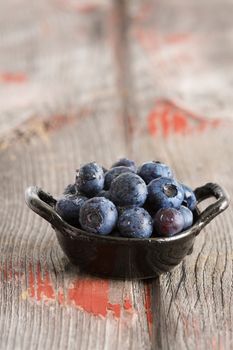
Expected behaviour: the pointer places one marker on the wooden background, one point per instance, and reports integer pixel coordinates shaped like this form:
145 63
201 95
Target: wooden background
96 80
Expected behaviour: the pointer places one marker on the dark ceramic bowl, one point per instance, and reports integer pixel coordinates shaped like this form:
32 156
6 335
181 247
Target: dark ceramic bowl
118 257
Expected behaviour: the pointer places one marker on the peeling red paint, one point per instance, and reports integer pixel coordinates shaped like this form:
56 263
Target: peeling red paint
152 40
40 287
31 281
90 295
148 304
61 297
167 119
127 305
7 272
115 308
44 285
177 38
13 78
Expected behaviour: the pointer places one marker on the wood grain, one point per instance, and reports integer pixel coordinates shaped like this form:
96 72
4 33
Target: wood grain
96 81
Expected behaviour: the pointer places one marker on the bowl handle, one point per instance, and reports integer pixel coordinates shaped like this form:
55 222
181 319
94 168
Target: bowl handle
43 204
222 202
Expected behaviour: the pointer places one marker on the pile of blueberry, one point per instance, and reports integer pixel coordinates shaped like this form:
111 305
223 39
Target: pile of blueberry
128 201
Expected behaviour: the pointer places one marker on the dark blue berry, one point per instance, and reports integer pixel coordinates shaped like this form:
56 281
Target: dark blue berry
122 209
98 215
168 222
187 215
165 193
152 170
189 197
128 189
68 207
135 223
90 179
70 189
103 193
125 162
113 173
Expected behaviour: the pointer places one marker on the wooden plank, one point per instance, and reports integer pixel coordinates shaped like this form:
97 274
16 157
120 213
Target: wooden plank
175 80
65 107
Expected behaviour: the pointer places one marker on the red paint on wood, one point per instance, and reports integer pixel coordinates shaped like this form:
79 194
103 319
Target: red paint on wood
180 123
167 119
165 123
148 306
13 78
148 39
151 40
40 287
44 285
31 281
127 305
177 38
90 295
61 297
115 308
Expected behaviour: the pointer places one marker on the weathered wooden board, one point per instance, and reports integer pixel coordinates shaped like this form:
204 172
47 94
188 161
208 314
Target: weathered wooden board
93 81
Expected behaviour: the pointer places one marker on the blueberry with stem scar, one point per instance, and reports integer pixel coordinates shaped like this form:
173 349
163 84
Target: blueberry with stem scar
165 193
98 215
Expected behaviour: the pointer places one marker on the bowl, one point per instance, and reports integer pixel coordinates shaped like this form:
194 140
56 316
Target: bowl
126 258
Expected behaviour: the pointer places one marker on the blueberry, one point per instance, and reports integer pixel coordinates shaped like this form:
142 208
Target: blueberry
165 193
128 189
189 197
168 222
70 189
103 193
187 215
136 223
98 215
122 209
90 179
125 162
68 207
113 173
152 170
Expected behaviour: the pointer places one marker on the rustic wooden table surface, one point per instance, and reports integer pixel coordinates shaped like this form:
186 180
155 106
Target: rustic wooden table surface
82 81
